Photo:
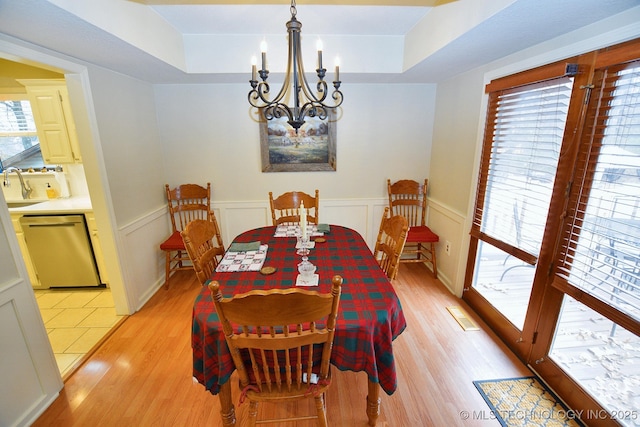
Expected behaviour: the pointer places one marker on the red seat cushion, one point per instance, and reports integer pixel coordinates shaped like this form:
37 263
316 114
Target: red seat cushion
173 243
421 233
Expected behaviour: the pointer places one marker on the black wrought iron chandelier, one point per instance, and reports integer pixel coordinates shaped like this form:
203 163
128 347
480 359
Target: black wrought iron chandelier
306 103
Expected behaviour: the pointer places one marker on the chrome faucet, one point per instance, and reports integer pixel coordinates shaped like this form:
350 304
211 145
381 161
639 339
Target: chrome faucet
26 188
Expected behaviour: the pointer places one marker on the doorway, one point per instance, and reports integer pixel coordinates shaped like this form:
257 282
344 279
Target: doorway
76 319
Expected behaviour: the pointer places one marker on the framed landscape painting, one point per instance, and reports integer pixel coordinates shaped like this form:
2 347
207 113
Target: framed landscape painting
312 148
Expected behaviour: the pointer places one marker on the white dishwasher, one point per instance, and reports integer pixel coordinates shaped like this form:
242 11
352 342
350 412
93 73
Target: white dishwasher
60 249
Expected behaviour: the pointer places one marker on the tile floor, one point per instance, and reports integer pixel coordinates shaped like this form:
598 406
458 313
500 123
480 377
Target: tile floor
75 319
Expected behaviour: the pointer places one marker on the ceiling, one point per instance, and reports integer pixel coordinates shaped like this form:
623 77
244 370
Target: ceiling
378 41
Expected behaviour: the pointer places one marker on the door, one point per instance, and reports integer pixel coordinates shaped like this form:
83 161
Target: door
28 372
594 341
559 279
526 124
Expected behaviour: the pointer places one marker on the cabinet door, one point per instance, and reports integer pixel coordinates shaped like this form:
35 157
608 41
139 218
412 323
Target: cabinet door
31 271
54 120
70 124
46 104
97 249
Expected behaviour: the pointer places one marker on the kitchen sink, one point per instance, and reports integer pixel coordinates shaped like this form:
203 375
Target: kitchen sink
22 204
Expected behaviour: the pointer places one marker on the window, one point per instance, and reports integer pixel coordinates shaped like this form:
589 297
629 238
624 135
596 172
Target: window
523 138
601 244
527 134
19 145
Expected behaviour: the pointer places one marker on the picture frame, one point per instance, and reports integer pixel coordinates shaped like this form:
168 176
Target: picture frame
313 148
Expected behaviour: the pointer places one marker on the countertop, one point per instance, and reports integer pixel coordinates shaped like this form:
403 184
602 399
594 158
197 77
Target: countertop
55 206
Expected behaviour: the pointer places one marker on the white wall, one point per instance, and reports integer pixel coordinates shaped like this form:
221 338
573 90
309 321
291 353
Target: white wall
209 134
459 126
127 143
126 119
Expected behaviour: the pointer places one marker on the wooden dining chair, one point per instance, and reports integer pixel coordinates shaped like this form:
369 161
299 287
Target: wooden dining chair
409 199
204 246
390 242
186 202
281 341
284 208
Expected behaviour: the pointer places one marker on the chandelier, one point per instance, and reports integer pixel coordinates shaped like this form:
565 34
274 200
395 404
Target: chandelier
306 103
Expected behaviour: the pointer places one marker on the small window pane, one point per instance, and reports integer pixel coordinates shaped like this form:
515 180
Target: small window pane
19 144
602 357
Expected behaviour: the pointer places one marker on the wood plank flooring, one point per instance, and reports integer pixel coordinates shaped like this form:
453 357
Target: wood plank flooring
141 375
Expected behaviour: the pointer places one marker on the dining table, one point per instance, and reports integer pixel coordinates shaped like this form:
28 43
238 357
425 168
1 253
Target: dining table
370 314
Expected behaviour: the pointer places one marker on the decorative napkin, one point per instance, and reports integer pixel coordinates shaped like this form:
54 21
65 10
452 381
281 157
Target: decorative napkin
243 247
323 228
293 230
313 281
310 244
247 260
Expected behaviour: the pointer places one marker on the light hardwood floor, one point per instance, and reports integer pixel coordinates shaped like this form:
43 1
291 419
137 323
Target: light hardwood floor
141 375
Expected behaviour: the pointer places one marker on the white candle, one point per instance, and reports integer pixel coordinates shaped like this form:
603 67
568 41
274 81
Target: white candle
254 62
263 49
319 47
303 220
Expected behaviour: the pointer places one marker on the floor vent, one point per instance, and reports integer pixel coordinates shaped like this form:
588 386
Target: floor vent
463 318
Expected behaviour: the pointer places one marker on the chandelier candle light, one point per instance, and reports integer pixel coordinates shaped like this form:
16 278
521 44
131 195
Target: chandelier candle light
306 103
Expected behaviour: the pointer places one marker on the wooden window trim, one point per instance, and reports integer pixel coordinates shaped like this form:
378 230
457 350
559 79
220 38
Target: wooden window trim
528 77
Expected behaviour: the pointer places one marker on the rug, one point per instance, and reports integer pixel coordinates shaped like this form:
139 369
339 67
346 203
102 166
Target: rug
524 401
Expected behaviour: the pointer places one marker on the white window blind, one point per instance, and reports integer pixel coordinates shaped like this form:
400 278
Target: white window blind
519 167
16 118
18 135
601 250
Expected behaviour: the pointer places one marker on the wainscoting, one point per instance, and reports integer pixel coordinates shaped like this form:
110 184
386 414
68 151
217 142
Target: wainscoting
143 262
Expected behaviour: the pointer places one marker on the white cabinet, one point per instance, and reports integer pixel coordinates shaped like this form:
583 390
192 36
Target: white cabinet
54 120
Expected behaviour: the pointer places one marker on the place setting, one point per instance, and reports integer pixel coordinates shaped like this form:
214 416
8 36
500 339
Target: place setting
244 257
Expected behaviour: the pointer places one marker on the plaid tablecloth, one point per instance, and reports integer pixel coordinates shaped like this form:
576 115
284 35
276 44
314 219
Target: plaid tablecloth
370 316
